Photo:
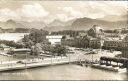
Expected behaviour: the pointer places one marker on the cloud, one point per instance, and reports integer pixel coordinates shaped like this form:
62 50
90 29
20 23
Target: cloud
105 8
48 19
94 9
6 14
47 11
121 4
35 10
72 12
63 17
68 13
26 12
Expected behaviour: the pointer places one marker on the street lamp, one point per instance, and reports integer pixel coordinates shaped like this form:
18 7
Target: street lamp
26 60
92 58
69 58
51 60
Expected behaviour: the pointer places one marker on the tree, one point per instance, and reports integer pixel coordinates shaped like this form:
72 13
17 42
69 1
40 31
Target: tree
59 50
35 36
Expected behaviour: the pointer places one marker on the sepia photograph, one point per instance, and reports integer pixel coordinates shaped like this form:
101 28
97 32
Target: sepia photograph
63 40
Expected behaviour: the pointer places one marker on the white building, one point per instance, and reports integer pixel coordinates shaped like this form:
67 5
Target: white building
54 39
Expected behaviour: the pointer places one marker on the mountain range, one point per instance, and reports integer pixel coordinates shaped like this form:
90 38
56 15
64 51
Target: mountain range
87 23
84 23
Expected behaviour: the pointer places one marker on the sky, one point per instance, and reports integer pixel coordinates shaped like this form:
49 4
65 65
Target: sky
48 11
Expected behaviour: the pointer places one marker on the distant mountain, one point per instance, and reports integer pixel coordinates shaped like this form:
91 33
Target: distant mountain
114 18
21 24
58 25
87 23
61 23
10 24
34 24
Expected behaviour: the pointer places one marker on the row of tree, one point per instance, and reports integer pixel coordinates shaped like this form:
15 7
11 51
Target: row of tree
56 50
80 42
71 33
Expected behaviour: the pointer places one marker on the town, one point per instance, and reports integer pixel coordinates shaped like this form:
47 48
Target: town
63 40
104 49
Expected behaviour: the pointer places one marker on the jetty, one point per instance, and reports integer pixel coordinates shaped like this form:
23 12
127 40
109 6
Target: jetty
108 63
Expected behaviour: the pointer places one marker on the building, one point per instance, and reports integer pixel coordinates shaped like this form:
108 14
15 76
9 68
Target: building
19 51
95 43
112 44
95 31
125 47
113 41
54 39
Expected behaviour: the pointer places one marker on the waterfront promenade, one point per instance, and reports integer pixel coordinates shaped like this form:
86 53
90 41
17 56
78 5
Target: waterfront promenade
29 63
13 65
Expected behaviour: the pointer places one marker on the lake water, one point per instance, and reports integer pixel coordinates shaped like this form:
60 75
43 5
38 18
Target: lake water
12 36
61 72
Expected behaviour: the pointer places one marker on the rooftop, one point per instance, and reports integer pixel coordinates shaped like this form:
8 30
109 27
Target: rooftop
54 37
23 49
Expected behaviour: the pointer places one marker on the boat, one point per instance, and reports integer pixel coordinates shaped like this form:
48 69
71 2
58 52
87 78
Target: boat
120 70
110 68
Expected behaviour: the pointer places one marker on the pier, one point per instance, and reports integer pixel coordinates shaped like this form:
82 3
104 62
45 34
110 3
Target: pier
107 63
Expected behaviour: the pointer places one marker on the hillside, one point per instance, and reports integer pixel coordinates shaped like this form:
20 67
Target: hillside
11 24
21 24
86 23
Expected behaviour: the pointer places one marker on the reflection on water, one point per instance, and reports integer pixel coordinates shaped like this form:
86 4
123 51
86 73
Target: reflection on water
62 72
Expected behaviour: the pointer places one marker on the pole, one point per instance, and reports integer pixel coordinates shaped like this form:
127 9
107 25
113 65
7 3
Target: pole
51 60
69 58
26 61
92 58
